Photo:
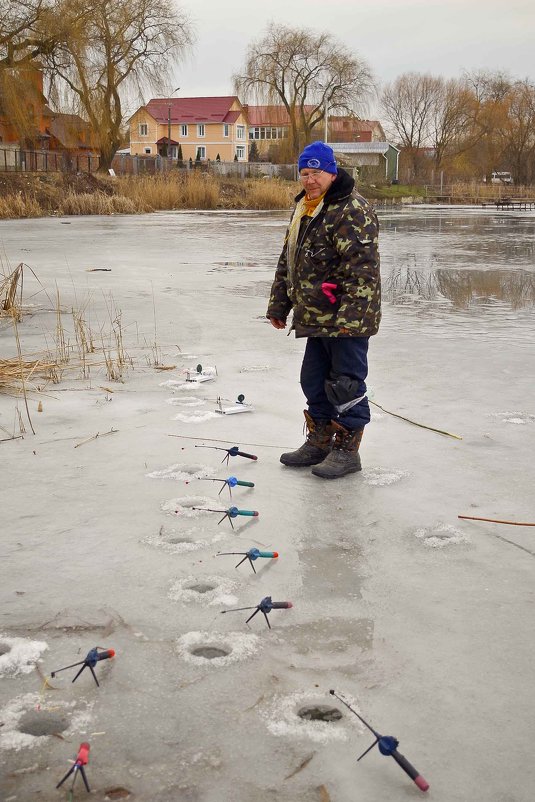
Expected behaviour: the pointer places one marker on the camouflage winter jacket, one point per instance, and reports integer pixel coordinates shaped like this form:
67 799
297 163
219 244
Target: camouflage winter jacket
339 247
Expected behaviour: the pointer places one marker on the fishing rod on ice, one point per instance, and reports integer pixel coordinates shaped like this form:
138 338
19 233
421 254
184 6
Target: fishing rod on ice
231 452
388 745
265 607
231 513
93 657
251 555
231 482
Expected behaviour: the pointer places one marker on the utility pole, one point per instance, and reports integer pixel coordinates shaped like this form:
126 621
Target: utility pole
326 135
169 132
169 126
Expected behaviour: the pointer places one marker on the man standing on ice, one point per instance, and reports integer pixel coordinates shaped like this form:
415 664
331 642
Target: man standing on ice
328 273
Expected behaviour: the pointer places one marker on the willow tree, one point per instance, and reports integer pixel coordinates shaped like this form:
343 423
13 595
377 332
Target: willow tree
112 47
310 74
26 35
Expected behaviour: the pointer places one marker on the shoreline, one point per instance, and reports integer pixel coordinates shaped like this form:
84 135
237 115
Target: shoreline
33 195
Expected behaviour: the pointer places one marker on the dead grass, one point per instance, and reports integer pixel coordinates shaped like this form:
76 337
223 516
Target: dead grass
16 206
96 203
175 191
269 193
11 294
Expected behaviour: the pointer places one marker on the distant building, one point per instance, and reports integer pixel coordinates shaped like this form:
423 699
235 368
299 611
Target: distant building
204 127
269 124
68 132
350 129
266 125
376 161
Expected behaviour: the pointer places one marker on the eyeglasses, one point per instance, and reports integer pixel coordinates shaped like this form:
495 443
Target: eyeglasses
313 174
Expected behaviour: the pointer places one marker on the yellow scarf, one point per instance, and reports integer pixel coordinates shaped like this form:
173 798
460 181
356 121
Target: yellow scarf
306 207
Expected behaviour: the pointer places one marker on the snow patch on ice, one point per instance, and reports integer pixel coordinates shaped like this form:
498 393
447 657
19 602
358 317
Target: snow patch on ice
20 655
195 417
183 506
174 543
175 384
184 590
13 712
516 418
186 401
441 535
381 477
281 716
240 645
182 472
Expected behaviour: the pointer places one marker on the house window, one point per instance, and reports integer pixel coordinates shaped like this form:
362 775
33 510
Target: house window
148 151
240 132
226 129
240 151
183 130
143 129
200 130
266 132
201 152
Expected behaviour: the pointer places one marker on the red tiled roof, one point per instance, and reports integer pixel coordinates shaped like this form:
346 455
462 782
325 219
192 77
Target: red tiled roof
193 109
267 115
270 115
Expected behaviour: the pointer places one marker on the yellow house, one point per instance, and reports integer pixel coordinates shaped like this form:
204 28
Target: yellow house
204 127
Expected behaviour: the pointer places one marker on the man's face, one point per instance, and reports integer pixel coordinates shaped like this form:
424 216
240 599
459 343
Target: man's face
315 182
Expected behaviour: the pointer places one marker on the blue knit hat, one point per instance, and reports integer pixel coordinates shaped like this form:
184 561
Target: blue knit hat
318 156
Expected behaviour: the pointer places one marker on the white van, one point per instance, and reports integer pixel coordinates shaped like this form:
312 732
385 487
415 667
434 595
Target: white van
500 178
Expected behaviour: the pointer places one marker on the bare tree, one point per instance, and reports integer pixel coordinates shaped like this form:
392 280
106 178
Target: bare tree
450 125
409 104
308 73
25 35
491 101
25 30
518 132
109 47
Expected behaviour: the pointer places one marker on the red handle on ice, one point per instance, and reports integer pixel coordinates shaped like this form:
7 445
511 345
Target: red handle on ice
82 758
106 654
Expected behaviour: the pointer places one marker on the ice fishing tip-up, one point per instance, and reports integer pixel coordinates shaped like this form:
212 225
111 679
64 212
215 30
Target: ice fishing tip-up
232 481
388 745
82 759
252 554
234 451
265 607
231 513
94 656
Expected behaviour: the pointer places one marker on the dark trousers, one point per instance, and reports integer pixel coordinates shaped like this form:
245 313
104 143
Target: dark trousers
331 358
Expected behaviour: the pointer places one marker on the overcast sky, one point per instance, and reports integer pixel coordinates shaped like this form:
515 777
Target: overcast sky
443 37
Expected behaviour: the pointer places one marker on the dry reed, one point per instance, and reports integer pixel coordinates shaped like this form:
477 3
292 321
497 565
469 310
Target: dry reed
156 193
10 287
96 203
268 194
15 206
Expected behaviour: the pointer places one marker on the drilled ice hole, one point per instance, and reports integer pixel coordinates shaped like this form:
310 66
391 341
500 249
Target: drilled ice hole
210 652
319 713
39 724
4 648
201 587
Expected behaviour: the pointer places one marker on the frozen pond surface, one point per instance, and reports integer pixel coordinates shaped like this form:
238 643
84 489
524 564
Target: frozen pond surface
423 621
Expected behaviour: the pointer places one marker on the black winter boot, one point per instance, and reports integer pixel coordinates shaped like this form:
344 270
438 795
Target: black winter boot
344 457
316 447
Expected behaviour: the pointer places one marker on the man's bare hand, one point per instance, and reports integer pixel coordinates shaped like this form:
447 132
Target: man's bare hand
276 323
